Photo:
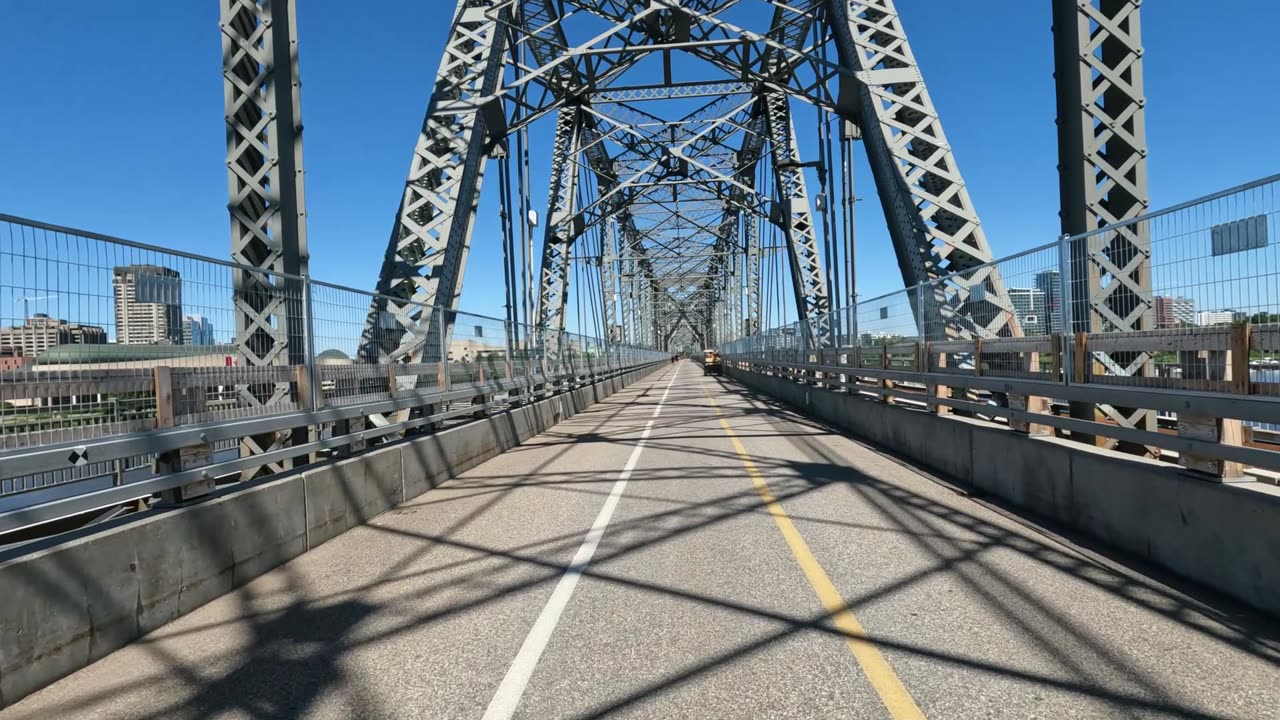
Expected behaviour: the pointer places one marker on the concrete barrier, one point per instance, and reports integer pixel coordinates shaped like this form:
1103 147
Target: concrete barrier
1224 536
71 600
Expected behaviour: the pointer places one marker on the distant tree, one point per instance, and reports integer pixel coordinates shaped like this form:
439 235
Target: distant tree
1263 318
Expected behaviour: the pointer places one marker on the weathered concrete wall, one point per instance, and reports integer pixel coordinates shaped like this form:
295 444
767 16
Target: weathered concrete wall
1225 536
67 602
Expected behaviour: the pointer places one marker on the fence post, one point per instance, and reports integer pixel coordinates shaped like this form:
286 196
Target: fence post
921 329
1225 431
309 343
172 461
512 392
1080 359
885 383
1030 362
446 376
1065 310
934 389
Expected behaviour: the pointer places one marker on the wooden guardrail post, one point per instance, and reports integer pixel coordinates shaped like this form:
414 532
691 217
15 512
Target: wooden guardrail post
1029 403
302 387
936 390
1080 358
481 401
162 380
1081 366
172 461
307 399
886 383
393 387
1226 431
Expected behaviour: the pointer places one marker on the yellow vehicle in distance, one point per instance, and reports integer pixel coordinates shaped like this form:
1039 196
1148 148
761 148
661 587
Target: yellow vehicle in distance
711 362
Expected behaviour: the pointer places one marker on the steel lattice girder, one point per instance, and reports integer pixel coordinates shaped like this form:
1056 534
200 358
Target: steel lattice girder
1103 177
728 242
934 228
546 41
426 255
265 189
932 222
795 217
751 229
608 289
558 240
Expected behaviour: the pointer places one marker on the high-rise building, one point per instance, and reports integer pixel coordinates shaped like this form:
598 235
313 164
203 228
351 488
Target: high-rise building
148 305
1029 306
1049 282
1172 312
1220 317
197 330
41 332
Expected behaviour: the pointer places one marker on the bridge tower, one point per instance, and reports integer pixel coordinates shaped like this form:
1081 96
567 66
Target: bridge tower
1102 143
265 199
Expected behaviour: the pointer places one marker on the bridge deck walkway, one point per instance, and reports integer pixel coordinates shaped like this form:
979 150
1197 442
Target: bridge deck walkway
754 564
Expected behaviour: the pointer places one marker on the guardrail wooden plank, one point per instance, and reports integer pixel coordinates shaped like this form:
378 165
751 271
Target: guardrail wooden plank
1182 339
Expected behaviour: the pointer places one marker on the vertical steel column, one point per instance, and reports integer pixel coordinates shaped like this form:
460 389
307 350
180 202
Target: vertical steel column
752 229
1102 147
627 288
557 243
261 94
795 216
608 291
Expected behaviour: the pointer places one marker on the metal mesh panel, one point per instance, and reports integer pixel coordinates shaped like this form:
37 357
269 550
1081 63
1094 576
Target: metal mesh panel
1213 270
101 337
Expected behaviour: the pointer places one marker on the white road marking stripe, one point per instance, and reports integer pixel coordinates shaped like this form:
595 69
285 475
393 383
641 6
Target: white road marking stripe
504 702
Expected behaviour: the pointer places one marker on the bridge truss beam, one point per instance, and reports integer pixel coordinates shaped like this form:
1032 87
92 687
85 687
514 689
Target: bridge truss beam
670 192
560 233
265 197
426 254
932 221
1102 143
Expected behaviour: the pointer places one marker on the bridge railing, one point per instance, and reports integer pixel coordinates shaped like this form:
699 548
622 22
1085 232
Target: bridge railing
1181 362
121 374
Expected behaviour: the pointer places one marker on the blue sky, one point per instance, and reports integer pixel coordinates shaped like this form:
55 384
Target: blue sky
111 120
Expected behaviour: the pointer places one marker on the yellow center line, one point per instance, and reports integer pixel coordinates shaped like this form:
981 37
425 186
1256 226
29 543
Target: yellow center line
883 679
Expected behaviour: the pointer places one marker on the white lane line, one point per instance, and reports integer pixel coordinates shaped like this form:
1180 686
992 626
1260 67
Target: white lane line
504 702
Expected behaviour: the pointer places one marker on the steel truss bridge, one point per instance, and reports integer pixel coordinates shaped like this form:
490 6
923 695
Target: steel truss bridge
674 159
518 517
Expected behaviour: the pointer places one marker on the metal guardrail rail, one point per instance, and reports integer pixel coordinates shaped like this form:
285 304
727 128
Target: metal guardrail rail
1206 354
116 356
159 443
1027 405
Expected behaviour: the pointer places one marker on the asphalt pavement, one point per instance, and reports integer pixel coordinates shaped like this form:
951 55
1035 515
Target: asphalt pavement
688 549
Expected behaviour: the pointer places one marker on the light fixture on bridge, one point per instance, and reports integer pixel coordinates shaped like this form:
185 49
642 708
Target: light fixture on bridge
533 218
